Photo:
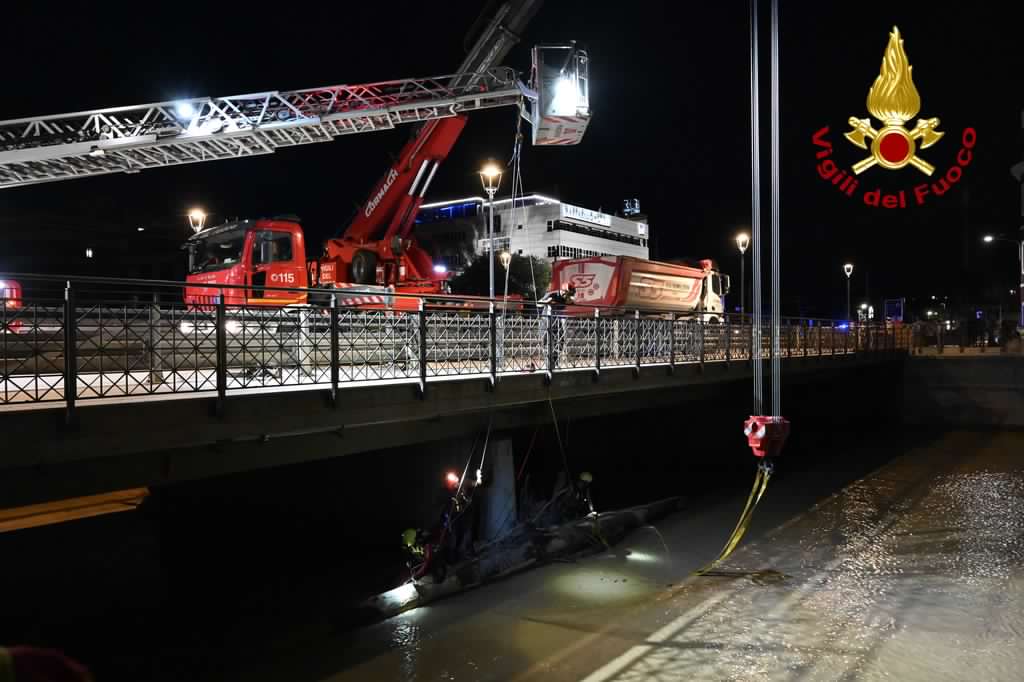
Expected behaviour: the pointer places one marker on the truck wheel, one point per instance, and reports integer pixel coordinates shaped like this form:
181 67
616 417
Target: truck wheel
364 267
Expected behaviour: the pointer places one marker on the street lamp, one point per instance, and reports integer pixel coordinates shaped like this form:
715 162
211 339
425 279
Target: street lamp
743 241
197 219
848 269
506 258
988 239
490 178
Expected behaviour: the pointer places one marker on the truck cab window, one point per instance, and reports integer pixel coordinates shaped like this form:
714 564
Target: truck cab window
716 284
216 252
271 247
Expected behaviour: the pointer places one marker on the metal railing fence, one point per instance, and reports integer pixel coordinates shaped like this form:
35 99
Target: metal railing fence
82 339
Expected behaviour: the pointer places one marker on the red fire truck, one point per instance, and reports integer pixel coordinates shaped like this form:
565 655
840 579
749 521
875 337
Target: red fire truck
377 253
377 256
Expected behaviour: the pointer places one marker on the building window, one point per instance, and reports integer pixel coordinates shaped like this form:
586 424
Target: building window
519 227
500 244
594 232
520 250
562 251
271 247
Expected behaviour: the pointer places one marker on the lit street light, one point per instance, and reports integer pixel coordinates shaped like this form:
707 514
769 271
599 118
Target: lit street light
197 219
988 239
848 269
490 178
743 241
506 259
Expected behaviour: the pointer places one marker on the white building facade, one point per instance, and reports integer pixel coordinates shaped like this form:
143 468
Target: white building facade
536 225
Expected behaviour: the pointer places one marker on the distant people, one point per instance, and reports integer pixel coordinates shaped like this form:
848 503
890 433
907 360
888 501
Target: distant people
559 299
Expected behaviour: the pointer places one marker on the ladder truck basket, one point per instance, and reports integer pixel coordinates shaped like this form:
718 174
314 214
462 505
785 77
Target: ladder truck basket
562 110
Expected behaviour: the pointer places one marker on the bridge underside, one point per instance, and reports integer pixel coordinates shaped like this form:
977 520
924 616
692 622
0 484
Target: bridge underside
133 444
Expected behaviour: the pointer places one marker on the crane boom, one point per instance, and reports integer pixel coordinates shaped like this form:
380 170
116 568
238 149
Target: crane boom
376 247
134 138
500 35
389 213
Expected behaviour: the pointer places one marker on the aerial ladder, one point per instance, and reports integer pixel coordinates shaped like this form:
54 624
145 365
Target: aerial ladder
377 247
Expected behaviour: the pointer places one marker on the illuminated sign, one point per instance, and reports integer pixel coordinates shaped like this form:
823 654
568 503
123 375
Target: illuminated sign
586 215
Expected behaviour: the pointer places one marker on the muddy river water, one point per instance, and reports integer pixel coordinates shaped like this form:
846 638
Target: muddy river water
914 572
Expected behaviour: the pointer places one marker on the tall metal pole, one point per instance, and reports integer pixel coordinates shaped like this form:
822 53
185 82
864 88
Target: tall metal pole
776 218
755 223
490 243
847 298
743 284
1020 288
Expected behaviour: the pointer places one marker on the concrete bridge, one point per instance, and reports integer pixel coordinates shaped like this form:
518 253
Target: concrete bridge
99 392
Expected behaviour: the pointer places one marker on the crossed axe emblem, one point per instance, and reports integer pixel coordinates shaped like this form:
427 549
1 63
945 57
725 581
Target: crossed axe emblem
925 131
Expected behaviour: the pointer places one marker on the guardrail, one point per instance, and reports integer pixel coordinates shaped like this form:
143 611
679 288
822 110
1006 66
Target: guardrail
86 339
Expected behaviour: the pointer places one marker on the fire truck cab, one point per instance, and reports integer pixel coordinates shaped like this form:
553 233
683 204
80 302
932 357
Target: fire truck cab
264 256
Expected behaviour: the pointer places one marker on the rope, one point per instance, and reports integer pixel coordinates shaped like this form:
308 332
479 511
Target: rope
764 473
529 449
517 190
558 435
487 440
483 455
469 459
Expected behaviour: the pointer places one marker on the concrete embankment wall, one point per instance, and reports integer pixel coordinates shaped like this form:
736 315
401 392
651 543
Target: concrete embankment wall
230 559
954 391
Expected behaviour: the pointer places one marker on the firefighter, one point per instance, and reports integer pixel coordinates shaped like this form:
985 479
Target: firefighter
583 493
465 519
451 535
557 301
414 539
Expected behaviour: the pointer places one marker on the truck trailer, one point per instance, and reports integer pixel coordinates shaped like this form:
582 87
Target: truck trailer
624 282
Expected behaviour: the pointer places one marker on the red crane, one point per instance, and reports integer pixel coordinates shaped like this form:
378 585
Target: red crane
377 251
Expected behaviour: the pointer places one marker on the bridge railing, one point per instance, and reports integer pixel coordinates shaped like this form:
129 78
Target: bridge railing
73 340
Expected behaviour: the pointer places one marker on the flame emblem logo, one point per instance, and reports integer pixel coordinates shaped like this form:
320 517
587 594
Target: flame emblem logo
894 100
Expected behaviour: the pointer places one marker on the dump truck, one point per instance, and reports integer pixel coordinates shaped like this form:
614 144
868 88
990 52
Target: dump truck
624 282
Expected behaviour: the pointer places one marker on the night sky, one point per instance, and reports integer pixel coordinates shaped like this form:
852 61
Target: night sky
670 95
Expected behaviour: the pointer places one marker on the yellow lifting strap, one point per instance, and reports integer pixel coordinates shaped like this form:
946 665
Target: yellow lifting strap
764 472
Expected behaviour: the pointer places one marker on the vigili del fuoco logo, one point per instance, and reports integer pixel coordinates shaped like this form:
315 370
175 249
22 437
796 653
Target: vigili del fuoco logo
893 100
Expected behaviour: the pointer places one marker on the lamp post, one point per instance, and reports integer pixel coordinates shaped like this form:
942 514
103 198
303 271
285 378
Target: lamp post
988 239
490 178
743 241
197 219
848 269
506 260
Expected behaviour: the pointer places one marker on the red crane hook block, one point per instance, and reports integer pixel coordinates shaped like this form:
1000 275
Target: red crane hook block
766 435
